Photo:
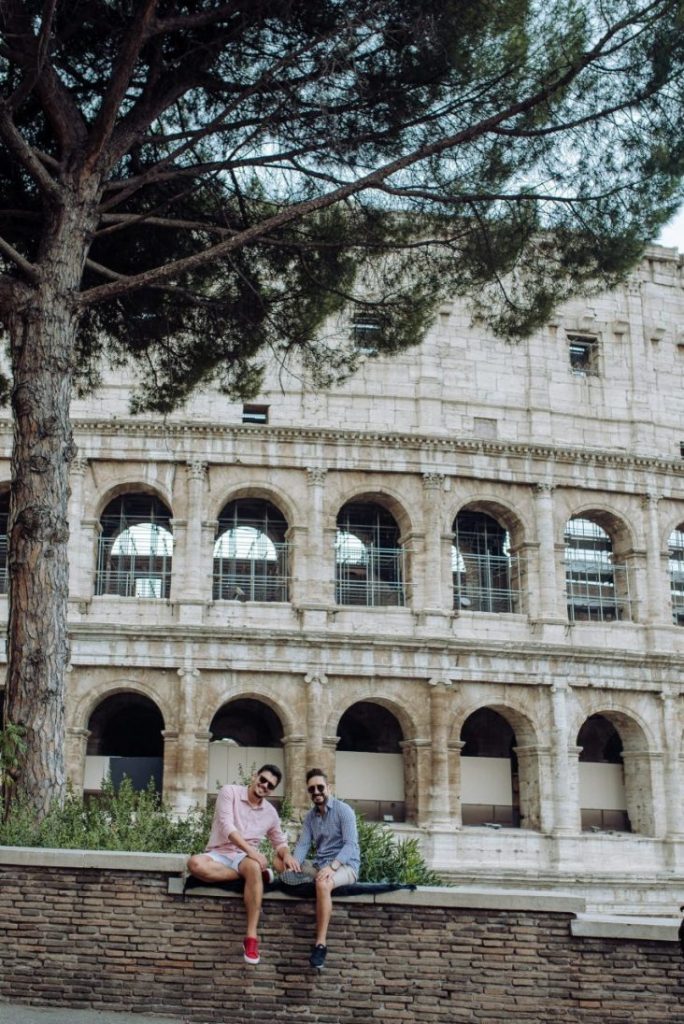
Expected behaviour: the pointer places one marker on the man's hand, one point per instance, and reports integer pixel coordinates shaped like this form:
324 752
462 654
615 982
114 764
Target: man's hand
258 857
326 874
290 863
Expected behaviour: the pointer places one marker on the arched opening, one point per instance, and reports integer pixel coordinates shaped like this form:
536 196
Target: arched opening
4 541
369 561
675 562
251 554
602 793
135 548
245 733
596 583
490 789
486 576
369 766
125 740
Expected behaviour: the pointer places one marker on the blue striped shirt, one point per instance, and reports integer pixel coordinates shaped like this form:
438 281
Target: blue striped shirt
334 836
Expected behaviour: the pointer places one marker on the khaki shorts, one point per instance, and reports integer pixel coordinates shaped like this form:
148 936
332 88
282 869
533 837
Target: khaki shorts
343 876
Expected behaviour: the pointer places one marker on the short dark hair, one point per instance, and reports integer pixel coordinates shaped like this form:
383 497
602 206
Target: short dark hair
316 771
272 769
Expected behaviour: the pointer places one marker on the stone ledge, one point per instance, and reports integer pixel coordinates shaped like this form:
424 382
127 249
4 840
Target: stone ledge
113 860
426 896
606 926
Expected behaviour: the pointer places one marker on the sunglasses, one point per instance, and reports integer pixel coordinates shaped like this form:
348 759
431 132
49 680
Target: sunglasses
318 788
263 781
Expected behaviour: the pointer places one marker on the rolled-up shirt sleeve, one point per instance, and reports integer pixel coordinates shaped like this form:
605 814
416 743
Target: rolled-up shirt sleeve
349 851
304 842
225 812
276 836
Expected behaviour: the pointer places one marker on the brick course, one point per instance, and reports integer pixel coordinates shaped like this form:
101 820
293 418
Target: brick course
110 939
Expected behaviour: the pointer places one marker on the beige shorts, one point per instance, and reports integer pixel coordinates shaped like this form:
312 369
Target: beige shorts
343 876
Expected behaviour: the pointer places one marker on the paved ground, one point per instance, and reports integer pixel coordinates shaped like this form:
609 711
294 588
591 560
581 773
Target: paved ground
11 1013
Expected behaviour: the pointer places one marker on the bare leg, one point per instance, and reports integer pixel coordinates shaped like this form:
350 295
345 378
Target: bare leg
324 888
209 870
253 894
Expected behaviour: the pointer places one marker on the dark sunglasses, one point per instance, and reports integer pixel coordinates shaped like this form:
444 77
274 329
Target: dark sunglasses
318 788
265 782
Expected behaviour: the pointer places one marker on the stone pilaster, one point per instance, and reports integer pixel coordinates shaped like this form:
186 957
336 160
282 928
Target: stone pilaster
673 794
294 756
565 779
549 597
657 607
455 790
75 755
432 567
439 792
81 539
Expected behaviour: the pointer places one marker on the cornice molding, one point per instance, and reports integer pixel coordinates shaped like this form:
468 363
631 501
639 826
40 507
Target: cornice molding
429 444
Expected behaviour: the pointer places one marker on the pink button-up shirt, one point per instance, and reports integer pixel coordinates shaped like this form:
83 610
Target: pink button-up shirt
234 813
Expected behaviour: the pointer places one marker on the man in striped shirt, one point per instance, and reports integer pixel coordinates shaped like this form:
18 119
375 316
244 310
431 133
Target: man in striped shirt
330 827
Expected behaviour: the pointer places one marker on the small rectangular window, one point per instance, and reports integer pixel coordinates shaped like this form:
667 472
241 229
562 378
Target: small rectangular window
366 332
255 414
583 354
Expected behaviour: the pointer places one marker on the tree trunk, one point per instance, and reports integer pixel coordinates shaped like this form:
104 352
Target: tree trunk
42 329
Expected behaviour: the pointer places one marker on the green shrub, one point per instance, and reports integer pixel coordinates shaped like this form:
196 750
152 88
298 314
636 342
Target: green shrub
124 819
120 819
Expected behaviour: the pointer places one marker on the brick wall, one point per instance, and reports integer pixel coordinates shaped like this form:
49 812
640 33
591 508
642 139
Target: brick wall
118 939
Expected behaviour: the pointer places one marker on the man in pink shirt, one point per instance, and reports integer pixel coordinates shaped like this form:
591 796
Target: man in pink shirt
242 818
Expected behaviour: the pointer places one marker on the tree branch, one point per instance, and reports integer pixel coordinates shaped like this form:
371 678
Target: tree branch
20 261
17 145
120 78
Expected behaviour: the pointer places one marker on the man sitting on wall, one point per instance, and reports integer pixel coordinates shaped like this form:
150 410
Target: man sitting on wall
242 818
330 826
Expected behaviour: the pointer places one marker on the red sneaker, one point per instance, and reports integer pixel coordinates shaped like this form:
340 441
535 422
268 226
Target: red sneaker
250 949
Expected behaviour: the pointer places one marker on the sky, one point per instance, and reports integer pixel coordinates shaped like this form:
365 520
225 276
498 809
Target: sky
673 233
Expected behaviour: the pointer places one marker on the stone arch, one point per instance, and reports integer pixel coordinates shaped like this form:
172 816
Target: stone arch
509 515
600 583
125 738
369 762
674 548
504 788
371 564
617 794
130 486
613 521
135 546
247 731
251 551
393 501
488 573
260 490
80 711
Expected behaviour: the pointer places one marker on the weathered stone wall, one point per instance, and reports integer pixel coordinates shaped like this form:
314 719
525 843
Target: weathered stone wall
101 937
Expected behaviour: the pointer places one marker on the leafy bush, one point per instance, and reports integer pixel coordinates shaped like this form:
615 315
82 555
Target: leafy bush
120 819
384 858
124 819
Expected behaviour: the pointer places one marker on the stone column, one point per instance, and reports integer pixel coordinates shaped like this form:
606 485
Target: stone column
455 795
417 767
535 806
565 781
188 749
76 748
312 589
315 688
439 793
642 767
190 587
434 596
81 554
656 608
551 585
673 796
294 756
